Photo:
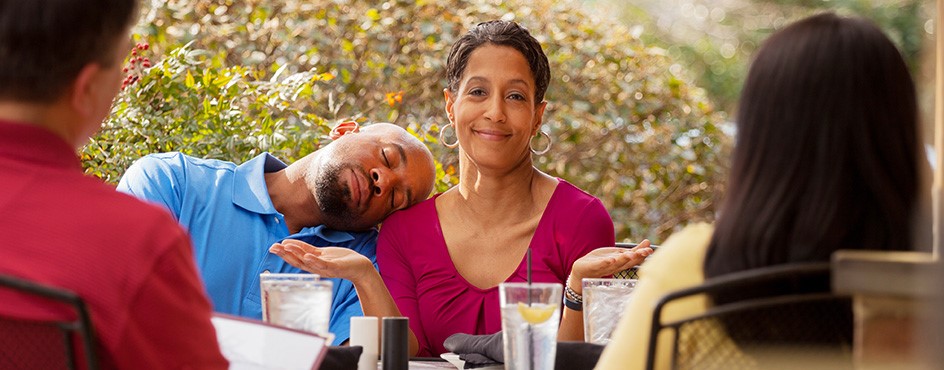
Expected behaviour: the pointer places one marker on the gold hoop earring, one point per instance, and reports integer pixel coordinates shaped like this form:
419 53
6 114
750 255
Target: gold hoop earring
546 148
442 136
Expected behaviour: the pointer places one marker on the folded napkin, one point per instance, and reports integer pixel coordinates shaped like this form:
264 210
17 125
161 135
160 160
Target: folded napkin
486 350
341 358
476 350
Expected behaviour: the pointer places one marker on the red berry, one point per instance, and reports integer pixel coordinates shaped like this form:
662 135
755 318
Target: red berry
125 69
146 46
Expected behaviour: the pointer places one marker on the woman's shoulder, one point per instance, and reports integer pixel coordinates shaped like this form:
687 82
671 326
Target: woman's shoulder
419 214
569 201
684 250
570 193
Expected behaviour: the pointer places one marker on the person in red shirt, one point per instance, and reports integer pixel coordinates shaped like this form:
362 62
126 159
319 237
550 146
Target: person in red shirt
60 69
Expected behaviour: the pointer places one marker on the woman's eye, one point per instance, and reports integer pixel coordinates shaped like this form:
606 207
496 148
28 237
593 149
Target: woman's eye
477 92
516 96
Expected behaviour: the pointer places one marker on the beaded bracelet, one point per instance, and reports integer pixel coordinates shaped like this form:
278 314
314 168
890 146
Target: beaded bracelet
572 300
572 295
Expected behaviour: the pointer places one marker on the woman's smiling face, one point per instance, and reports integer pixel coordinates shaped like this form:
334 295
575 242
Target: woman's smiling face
494 108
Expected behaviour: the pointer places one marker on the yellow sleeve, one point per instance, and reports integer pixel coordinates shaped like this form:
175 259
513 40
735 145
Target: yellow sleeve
676 265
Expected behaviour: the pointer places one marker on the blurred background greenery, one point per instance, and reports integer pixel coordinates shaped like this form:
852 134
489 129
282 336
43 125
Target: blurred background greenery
638 103
716 38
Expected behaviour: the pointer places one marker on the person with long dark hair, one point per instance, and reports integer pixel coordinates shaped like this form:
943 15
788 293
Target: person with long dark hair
826 159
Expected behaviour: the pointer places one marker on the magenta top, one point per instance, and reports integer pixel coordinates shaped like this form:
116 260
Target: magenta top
418 271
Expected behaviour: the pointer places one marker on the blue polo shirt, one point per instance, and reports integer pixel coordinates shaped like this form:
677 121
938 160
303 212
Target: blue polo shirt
227 210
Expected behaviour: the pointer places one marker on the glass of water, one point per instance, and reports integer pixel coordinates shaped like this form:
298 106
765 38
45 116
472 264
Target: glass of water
530 315
297 301
603 303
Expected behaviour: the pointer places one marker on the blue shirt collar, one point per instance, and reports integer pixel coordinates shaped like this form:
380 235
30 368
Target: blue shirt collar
251 193
329 236
249 187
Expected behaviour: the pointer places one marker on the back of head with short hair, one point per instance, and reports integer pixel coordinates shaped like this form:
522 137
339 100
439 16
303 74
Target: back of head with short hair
45 43
826 149
503 33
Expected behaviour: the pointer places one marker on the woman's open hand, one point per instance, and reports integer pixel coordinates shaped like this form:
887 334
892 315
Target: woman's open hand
606 261
332 262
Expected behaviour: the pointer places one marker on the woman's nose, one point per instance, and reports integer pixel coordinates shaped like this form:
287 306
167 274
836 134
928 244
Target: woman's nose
496 109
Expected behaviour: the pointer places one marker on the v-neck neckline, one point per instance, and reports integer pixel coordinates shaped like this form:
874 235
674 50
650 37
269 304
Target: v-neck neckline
522 264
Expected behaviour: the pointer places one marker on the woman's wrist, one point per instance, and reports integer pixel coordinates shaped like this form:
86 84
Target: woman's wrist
575 283
367 277
572 299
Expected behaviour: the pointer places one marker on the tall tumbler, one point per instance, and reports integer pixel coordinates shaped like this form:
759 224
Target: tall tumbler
530 315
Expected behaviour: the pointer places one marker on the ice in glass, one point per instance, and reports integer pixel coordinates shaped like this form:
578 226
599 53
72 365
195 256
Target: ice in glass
298 301
530 317
603 303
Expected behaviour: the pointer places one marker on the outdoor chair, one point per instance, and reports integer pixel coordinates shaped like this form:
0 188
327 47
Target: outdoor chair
46 344
771 318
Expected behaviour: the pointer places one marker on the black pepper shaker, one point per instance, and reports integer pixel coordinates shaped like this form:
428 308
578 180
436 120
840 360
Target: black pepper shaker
395 347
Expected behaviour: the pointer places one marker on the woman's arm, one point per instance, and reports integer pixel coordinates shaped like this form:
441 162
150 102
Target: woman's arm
377 301
582 251
598 263
346 264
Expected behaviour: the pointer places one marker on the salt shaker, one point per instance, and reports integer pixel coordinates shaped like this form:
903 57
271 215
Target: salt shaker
364 333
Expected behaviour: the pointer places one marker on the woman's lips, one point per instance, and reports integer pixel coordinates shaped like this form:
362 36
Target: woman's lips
493 135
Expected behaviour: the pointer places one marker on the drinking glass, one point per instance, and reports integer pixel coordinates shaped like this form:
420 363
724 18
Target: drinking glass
603 303
530 315
297 301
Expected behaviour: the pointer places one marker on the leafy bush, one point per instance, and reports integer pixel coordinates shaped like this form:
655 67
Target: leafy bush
275 75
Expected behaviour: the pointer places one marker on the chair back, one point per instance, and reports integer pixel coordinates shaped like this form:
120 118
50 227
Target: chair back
776 317
46 344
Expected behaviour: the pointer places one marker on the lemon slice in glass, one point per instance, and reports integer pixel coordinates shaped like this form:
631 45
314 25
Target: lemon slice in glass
536 314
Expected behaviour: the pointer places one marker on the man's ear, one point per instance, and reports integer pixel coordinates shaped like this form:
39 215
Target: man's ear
344 128
82 90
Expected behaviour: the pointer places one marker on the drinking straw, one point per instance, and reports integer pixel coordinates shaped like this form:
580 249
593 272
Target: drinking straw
529 276
529 267
530 338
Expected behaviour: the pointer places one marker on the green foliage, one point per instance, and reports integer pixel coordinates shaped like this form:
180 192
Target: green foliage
716 38
180 105
274 75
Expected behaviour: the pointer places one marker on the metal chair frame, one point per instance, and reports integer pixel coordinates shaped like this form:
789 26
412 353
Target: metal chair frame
742 279
81 326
